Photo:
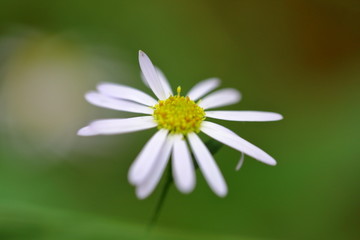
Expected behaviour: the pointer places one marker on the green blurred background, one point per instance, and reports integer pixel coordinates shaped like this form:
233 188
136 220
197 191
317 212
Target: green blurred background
298 58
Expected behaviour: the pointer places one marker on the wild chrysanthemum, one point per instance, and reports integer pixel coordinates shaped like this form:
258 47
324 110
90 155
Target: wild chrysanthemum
178 119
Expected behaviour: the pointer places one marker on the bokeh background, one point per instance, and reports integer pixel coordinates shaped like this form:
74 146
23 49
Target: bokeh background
298 58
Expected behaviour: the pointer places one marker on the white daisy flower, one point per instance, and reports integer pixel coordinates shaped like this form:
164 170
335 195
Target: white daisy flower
178 119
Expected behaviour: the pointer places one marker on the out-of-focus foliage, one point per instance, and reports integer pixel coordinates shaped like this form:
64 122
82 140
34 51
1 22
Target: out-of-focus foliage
298 58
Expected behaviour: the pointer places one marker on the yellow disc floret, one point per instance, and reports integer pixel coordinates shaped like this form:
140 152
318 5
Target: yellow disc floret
178 114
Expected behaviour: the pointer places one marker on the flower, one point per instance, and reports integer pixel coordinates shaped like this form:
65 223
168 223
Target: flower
178 119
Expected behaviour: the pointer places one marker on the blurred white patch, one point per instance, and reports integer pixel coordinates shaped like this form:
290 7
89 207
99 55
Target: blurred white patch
241 162
43 81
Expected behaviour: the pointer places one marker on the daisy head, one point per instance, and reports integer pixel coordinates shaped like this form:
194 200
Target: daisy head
179 114
178 118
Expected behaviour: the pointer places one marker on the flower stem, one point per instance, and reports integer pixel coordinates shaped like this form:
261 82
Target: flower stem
213 147
161 200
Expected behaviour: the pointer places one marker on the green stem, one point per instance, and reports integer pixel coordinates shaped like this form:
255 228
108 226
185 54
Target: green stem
161 200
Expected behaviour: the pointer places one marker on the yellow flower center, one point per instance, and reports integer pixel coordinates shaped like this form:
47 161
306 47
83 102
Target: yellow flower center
178 114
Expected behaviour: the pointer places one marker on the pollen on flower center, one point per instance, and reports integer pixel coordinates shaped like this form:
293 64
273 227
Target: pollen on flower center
179 114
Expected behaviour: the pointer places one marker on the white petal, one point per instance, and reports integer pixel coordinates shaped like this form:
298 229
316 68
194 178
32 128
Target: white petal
220 98
144 162
251 116
146 188
241 162
151 75
127 93
182 166
86 131
101 100
118 126
203 88
229 138
208 165
164 82
144 80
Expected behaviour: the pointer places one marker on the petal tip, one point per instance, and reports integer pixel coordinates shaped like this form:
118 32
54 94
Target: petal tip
280 117
89 96
141 53
104 84
86 131
140 194
277 116
187 189
222 193
271 162
133 180
215 80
